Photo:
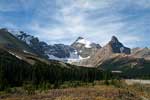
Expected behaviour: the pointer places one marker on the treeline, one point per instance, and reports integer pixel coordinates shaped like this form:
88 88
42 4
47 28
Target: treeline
141 70
15 72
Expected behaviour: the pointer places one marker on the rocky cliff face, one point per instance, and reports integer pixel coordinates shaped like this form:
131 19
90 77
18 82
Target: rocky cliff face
113 47
141 53
113 56
7 40
85 48
55 51
118 47
79 50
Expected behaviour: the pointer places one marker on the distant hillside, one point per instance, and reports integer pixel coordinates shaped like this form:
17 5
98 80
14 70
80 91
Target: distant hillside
141 53
14 71
85 48
112 47
130 66
112 56
8 41
79 50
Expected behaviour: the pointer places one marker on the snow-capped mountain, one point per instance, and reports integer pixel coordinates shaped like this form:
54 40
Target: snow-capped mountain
85 48
114 55
86 43
118 47
81 49
113 47
7 40
56 51
22 36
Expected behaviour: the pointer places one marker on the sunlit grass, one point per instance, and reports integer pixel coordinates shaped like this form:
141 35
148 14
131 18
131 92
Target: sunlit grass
98 91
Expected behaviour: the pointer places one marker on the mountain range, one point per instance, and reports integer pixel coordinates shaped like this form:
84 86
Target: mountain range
113 56
79 50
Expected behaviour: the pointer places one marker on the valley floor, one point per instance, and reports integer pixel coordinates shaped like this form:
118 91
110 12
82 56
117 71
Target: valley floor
133 81
88 92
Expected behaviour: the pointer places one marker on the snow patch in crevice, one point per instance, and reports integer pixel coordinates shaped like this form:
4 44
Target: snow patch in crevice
14 32
17 34
77 60
27 39
81 58
121 49
27 52
85 42
52 57
80 51
74 57
15 55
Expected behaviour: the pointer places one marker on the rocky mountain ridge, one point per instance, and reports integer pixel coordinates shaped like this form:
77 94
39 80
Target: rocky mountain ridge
81 52
84 47
112 47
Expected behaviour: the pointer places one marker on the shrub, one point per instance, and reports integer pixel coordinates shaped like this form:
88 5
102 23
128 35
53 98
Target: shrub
29 88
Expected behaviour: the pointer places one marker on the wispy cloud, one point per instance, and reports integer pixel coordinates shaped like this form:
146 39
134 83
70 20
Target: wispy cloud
62 21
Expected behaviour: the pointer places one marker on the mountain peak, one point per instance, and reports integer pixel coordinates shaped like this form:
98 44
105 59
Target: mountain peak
84 47
85 43
114 39
4 29
79 38
118 47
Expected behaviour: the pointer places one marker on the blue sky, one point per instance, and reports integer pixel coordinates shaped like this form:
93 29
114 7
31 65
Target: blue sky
62 21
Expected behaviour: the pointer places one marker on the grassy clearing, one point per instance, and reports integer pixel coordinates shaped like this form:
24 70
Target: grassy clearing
116 90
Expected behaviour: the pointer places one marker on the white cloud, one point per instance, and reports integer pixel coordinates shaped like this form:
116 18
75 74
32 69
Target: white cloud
75 22
62 21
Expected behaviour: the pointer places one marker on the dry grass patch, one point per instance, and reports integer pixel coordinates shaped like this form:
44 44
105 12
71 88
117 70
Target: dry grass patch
98 92
117 91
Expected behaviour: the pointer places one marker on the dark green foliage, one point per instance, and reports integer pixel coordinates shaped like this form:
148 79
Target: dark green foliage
29 88
131 68
56 75
107 77
15 72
